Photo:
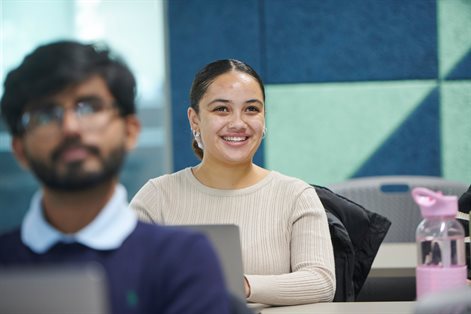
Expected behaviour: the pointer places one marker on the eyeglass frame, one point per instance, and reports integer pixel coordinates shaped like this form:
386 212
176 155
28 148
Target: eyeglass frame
57 113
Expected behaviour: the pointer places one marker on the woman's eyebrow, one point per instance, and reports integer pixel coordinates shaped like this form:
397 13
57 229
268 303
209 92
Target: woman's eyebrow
250 101
226 101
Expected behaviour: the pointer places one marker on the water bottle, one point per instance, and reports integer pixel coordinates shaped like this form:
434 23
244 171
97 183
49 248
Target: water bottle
441 258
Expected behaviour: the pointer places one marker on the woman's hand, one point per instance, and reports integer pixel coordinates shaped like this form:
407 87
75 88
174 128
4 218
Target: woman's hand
246 287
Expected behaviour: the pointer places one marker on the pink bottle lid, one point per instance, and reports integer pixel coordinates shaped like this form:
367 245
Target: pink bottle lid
435 204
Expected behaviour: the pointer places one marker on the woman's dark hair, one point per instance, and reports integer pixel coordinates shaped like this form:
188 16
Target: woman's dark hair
53 67
206 76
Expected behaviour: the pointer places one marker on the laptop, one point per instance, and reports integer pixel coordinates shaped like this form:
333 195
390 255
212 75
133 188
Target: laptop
53 290
226 241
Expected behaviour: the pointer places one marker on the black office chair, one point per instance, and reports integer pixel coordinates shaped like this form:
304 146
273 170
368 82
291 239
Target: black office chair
390 196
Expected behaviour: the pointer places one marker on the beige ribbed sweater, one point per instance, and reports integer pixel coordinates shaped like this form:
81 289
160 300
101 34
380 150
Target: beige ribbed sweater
286 247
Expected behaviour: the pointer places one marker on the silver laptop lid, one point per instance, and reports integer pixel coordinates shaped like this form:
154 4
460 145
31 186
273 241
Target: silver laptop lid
52 290
226 241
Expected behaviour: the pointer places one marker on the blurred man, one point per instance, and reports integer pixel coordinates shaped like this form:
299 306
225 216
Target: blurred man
70 108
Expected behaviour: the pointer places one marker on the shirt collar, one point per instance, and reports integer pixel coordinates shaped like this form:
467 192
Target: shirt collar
107 231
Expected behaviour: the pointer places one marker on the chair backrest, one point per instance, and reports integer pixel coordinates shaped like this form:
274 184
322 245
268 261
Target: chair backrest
390 196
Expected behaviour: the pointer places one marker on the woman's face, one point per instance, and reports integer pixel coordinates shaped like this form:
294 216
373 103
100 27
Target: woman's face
231 118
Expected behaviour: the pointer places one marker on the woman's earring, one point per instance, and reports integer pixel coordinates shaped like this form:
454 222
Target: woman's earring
264 133
197 136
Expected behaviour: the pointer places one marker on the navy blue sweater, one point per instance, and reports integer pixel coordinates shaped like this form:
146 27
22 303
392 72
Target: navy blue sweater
167 270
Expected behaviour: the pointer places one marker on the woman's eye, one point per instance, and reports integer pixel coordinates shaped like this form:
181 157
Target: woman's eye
221 109
253 109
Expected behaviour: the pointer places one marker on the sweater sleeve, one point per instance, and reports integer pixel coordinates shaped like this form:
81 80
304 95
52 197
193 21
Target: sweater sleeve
312 276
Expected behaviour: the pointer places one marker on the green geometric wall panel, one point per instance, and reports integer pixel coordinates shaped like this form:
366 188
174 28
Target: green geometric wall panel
414 148
454 33
322 133
456 130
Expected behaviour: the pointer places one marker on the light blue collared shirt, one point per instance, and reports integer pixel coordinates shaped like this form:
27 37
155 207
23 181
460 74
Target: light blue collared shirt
107 231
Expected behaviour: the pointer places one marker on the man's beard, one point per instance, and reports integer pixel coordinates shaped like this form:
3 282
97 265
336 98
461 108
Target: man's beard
74 177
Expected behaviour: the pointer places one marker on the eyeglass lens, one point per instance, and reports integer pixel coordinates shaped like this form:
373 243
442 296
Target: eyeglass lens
90 112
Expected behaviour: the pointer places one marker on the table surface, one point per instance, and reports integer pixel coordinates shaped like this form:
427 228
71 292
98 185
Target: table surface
405 307
395 260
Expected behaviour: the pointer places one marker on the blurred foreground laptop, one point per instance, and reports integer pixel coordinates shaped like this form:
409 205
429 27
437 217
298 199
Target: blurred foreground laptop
226 241
53 290
454 301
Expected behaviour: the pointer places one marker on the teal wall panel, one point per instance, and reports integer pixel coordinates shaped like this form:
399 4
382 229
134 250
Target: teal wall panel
414 147
344 40
347 83
323 133
456 130
454 34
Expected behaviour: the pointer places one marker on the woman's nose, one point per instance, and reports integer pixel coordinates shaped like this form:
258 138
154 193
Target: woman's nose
236 121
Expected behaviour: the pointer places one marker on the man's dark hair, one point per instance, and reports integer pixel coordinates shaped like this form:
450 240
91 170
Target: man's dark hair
53 67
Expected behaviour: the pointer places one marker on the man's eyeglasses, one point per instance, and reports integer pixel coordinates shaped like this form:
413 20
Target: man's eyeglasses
91 114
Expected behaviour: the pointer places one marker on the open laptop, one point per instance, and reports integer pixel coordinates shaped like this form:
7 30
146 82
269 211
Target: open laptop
226 241
53 290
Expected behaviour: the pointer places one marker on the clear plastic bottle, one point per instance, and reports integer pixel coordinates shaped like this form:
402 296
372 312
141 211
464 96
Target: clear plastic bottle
441 258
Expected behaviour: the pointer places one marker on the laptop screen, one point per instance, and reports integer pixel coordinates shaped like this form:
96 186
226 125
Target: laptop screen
226 241
71 289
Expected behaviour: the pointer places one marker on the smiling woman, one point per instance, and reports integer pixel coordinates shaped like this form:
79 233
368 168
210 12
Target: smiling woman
287 252
230 120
